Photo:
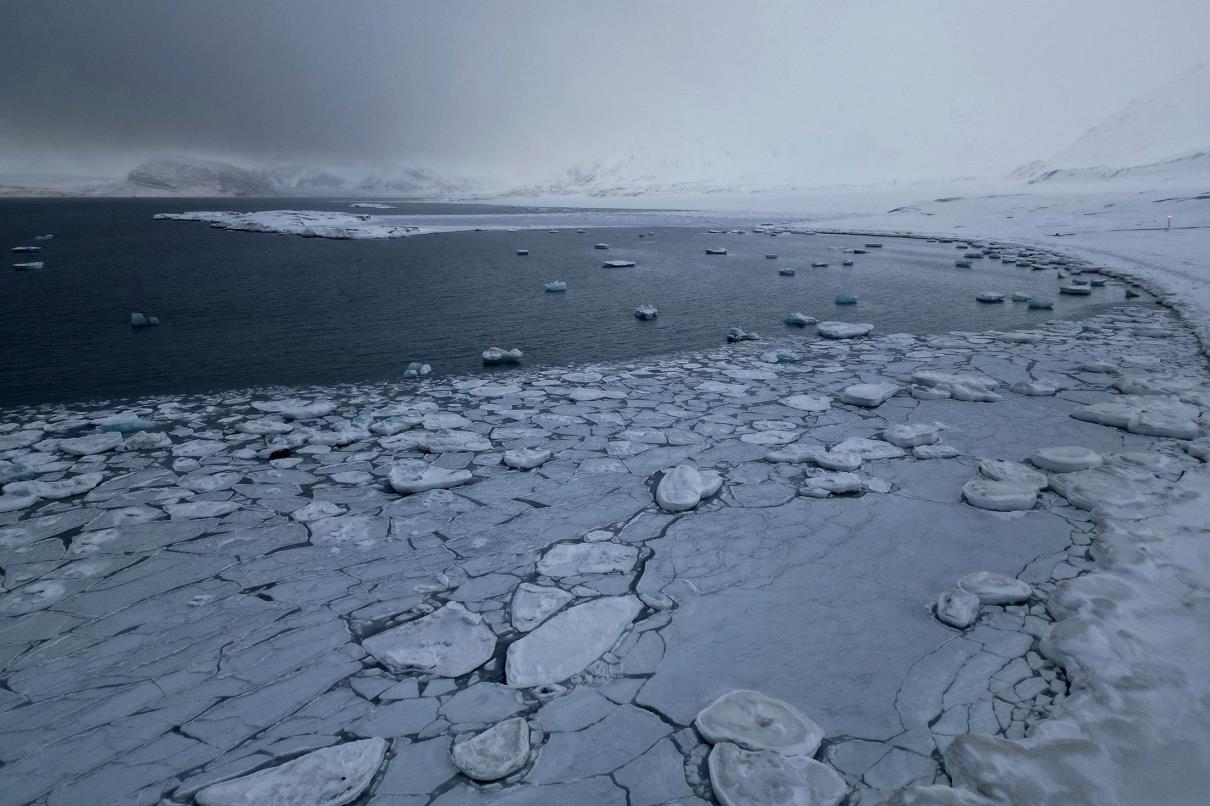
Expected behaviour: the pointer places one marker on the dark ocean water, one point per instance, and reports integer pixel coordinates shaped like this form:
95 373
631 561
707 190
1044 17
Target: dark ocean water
248 309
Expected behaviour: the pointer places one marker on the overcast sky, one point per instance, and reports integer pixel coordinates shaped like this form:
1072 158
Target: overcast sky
830 91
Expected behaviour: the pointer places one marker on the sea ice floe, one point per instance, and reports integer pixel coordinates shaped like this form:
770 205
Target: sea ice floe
869 449
495 753
957 608
142 320
453 441
975 388
415 476
495 356
448 642
65 488
416 369
763 778
296 409
577 559
646 311
910 435
756 721
684 486
526 458
92 444
1003 470
330 776
1064 458
868 395
808 403
843 330
1033 388
533 604
935 452
995 589
1000 496
566 643
799 319
825 484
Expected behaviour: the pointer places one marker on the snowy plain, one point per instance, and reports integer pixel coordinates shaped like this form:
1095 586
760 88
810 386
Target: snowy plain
214 597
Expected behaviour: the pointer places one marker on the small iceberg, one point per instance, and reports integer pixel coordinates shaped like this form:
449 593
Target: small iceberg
617 264
989 296
31 266
798 319
416 369
962 264
141 320
600 246
739 334
786 272
770 256
1020 296
495 356
873 246
780 357
1075 290
845 299
716 251
846 263
27 249
522 252
1040 304
556 286
646 312
819 264
43 237
579 232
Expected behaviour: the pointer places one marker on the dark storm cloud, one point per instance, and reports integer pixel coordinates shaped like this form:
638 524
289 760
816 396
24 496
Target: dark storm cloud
859 90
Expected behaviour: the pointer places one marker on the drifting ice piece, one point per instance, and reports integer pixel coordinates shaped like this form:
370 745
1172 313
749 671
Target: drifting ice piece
770 256
1075 290
1041 305
684 487
843 330
140 320
755 721
818 264
617 264
495 753
522 252
556 286
909 435
962 264
331 776
1020 296
525 458
798 319
495 356
448 642
1000 496
869 395
739 334
416 370
1065 458
845 299
27 249
958 608
416 476
780 357
1003 470
846 263
811 403
764 778
32 266
989 296
995 589
601 246
716 251
786 272
568 642
646 311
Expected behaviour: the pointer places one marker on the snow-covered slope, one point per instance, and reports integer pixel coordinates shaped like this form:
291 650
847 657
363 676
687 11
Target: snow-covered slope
1164 133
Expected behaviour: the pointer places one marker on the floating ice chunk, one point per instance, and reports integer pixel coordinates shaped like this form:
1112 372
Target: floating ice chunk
846 263
844 299
200 509
868 395
1064 458
787 272
415 369
534 604
453 442
296 409
92 444
495 356
975 388
909 435
770 256
142 320
600 246
808 403
416 476
331 776
684 487
556 286
43 237
1002 470
317 510
995 589
20 439
495 753
578 559
1034 388
957 608
1163 424
1199 449
27 249
568 642
66 488
646 311
756 721
763 778
1020 296
989 296
845 461
11 502
617 264
125 423
843 330
869 449
827 484
522 252
448 642
1075 290
32 265
795 454
935 452
716 251
799 319
963 264
739 334
780 357
526 458
1000 496
492 390
1041 304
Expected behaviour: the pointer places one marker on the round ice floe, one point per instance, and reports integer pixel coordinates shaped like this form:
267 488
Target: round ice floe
934 452
838 460
448 642
1001 470
92 444
1064 458
683 487
534 604
66 488
526 458
1033 388
843 330
764 778
995 589
575 559
909 435
869 395
12 503
957 608
568 642
756 721
1000 496
415 476
495 753
1163 424
808 403
331 776
795 454
869 449
827 484
928 393
296 409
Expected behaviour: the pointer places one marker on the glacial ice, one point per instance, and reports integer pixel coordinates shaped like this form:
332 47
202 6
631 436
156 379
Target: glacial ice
526 458
416 369
142 320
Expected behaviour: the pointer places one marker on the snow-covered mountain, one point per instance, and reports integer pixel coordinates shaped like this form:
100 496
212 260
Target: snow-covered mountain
1164 134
